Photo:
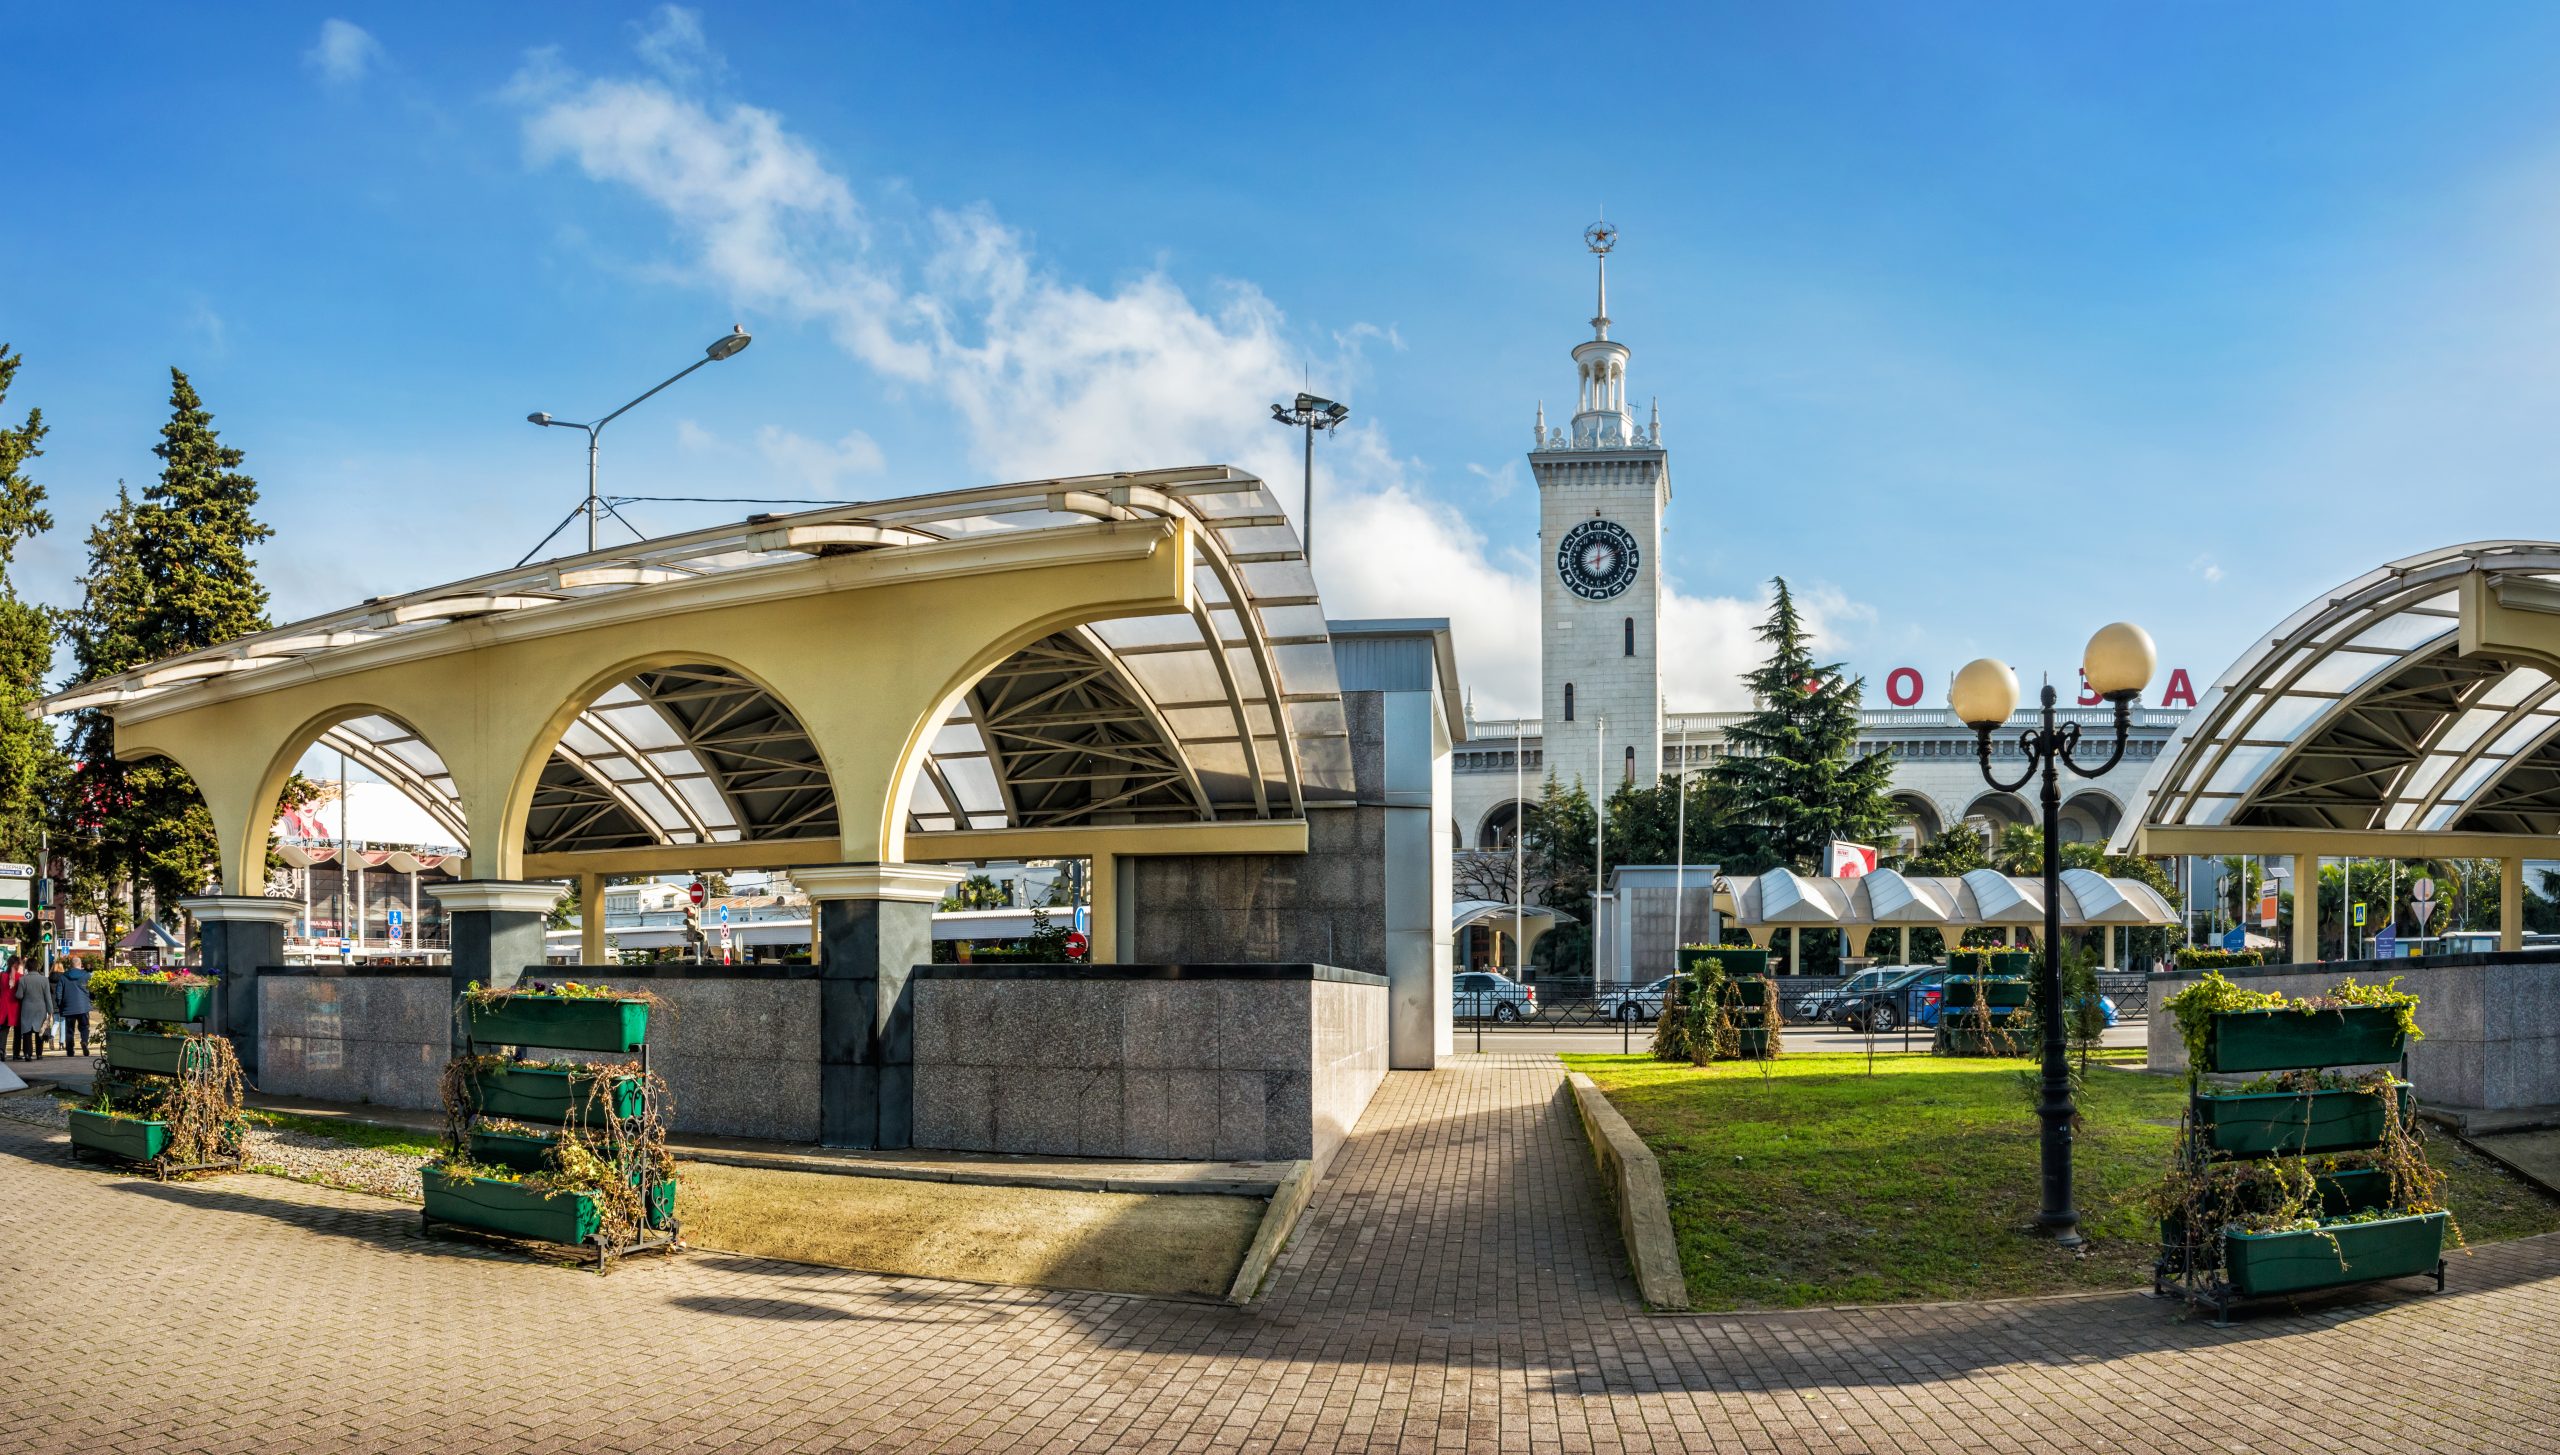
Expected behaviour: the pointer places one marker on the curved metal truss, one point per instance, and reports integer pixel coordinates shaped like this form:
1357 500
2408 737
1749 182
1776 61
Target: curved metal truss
2360 712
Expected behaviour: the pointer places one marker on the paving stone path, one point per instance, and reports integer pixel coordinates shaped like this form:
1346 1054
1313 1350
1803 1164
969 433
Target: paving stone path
1456 1286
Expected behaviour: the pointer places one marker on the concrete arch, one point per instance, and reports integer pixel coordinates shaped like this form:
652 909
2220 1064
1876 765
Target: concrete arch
1499 823
545 741
455 815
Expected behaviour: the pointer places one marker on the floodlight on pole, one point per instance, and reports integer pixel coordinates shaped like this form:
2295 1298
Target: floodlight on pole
728 346
1309 413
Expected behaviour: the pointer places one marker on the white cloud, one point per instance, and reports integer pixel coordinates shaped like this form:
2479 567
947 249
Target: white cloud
1499 481
674 46
343 53
1049 376
2206 567
815 463
693 438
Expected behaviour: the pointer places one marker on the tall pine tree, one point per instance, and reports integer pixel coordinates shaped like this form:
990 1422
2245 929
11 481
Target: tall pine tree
169 573
1793 778
32 764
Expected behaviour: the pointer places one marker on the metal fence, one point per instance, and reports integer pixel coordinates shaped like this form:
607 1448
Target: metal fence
1607 1011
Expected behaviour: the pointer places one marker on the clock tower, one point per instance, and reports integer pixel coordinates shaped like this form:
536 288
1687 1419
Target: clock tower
1602 487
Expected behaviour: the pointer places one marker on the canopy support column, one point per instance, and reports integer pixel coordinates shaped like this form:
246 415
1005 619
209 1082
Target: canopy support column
875 925
497 932
2511 904
590 919
1905 957
240 937
2110 959
2306 909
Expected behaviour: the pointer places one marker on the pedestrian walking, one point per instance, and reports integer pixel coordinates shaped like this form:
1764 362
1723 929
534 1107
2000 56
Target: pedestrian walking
71 998
35 1013
9 976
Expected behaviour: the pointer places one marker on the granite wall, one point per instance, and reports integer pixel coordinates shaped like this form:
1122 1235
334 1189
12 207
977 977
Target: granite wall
1226 1062
739 1054
2492 1022
356 1033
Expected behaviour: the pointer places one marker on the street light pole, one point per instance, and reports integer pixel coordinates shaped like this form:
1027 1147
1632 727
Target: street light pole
2117 665
1310 414
728 346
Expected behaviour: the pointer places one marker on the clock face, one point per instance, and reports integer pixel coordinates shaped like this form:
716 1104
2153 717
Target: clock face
1597 559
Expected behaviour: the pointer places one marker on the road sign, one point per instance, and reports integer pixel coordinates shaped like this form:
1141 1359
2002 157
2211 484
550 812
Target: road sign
724 919
17 893
695 893
2235 939
2267 907
2422 901
2386 945
346 947
1076 945
2359 915
395 926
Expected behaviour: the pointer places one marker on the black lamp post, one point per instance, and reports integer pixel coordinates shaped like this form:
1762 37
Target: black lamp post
2117 665
1310 414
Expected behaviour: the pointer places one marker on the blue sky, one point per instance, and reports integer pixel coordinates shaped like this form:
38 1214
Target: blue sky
1984 324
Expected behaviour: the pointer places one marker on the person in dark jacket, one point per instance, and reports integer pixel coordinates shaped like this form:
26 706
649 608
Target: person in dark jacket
71 1001
35 1013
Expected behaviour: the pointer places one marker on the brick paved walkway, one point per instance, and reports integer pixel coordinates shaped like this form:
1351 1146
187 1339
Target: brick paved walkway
1455 1286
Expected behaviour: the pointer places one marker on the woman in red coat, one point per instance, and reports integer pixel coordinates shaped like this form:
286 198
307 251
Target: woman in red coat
9 976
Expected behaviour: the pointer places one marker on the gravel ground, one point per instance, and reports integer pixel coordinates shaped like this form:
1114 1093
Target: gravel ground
297 1155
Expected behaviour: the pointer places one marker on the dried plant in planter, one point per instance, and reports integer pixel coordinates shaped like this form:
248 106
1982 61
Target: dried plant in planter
609 1145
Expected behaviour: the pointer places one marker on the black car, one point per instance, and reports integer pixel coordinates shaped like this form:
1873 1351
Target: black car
1901 1001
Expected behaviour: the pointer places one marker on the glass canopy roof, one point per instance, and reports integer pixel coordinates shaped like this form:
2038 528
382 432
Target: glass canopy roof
2360 712
1230 711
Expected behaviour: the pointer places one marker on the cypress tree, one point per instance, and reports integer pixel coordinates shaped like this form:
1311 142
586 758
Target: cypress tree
1793 778
94 822
169 573
194 533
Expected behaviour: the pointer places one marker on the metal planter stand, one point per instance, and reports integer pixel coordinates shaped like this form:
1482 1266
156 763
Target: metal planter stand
192 1069
647 1239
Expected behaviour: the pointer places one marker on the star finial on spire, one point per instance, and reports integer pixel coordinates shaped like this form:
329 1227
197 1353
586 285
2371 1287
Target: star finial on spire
1600 237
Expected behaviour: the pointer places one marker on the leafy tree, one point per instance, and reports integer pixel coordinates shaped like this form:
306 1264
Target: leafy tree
1794 777
978 891
33 767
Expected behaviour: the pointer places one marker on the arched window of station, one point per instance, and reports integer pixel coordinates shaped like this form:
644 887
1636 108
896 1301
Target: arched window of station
1630 630
1568 702
1920 817
2090 817
1998 813
1500 827
1631 763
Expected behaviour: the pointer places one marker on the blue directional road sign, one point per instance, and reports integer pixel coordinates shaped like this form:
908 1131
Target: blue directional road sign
2235 939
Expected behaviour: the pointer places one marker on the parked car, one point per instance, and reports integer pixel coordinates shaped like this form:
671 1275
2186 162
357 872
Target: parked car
1818 1005
1481 993
1907 997
1636 1002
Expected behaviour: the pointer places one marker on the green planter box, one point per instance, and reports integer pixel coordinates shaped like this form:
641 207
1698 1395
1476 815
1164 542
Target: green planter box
153 1000
2013 962
131 1138
570 1024
1998 994
2292 1123
544 1094
149 1052
516 1151
512 1208
2265 1263
1974 1041
1751 1043
1737 959
2342 1193
662 1204
2287 1040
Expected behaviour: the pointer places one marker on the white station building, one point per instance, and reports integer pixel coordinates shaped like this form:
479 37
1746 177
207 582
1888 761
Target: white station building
1603 486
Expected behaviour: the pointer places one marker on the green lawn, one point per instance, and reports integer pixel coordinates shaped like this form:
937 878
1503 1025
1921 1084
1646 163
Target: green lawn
1818 1184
